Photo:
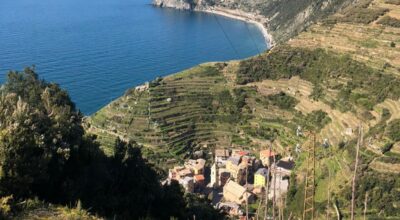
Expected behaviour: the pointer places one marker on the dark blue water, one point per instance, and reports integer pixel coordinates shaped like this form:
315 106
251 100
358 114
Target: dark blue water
97 49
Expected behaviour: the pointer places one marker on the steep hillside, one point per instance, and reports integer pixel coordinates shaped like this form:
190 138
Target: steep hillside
283 19
339 74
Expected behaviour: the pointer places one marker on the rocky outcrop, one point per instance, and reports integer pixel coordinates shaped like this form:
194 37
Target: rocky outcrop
283 18
177 4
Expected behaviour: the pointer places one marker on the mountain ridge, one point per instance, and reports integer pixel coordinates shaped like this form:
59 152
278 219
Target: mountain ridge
283 19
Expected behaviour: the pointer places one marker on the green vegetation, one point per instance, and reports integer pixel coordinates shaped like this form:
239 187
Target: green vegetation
389 21
393 130
44 153
282 100
382 192
387 147
363 15
358 84
360 12
393 2
176 115
315 120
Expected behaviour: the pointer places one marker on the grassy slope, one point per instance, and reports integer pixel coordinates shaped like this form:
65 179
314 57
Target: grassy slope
198 116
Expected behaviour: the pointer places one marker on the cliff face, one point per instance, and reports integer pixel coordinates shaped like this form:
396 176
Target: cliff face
177 4
283 18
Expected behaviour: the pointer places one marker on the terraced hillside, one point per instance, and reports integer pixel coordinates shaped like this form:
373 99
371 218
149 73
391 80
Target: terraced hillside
340 74
363 31
175 115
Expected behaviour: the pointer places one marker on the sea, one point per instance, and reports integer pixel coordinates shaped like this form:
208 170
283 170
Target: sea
97 49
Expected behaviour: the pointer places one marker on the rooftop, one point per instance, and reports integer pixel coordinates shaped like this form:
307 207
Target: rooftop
234 189
267 153
195 164
199 178
288 165
263 172
234 160
221 153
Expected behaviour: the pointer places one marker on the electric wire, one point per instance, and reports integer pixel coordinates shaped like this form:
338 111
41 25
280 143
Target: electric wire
223 30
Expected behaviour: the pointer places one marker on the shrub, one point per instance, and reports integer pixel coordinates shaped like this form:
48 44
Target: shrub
393 2
317 119
390 21
317 93
393 130
363 15
387 147
283 101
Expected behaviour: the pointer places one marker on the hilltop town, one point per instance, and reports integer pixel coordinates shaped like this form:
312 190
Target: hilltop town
236 179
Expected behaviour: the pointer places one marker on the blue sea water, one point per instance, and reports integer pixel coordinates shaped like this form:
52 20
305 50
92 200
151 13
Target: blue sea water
97 49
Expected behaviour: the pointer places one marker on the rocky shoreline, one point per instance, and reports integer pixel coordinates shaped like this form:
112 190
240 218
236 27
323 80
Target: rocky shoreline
258 20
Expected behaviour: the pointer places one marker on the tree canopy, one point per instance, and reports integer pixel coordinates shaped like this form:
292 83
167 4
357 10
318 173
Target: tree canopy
45 154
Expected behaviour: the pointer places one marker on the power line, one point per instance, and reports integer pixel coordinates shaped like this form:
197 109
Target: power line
225 34
250 34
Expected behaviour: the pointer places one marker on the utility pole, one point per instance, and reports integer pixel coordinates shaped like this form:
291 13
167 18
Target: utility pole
309 188
329 194
247 198
274 195
267 187
353 191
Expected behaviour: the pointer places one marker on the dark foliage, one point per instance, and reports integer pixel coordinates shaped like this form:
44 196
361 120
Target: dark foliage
314 121
393 2
363 15
390 21
282 100
393 130
382 192
44 153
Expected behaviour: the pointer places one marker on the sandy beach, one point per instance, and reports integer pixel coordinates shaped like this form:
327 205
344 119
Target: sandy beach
243 16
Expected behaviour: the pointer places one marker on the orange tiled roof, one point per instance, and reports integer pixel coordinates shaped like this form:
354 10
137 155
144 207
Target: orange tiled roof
199 178
267 153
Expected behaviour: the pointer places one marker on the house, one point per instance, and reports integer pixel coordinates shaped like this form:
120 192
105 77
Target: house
236 168
233 162
219 176
231 208
278 186
261 177
142 88
187 183
283 167
349 131
224 176
248 161
199 180
179 172
239 153
221 155
233 192
214 182
267 157
197 166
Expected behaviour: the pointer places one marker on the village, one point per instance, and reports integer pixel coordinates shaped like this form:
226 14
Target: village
236 179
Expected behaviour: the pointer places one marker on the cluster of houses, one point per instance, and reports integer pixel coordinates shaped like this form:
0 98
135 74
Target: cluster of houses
190 175
237 176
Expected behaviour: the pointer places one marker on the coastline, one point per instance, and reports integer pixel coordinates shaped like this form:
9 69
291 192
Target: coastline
242 16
